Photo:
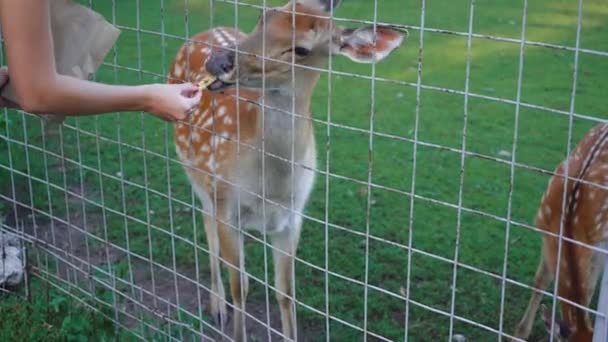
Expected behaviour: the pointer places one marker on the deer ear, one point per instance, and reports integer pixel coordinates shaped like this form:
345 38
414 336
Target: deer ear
366 45
324 5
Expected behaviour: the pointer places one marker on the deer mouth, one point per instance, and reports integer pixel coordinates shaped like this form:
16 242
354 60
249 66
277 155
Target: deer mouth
218 85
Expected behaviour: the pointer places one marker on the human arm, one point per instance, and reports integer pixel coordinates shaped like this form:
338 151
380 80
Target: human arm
40 89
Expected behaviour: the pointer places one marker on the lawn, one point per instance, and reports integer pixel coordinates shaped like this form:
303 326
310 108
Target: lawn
137 197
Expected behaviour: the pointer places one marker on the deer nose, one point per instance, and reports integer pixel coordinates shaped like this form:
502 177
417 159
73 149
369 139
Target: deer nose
220 63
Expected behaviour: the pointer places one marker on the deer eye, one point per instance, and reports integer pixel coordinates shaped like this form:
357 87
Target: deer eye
300 51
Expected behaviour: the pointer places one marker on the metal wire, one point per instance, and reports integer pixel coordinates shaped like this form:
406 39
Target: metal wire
512 171
65 270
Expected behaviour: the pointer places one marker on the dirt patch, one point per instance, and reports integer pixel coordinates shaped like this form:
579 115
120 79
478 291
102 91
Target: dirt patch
154 291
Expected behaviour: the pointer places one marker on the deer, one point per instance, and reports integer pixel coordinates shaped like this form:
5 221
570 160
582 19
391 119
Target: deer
253 167
585 221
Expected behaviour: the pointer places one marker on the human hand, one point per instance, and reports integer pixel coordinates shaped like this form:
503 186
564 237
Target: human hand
4 79
172 102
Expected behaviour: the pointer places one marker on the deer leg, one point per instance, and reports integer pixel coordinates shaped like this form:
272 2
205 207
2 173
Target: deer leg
285 244
541 280
597 266
231 245
596 261
218 295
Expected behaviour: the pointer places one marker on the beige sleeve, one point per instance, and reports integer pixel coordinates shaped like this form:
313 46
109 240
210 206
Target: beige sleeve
81 37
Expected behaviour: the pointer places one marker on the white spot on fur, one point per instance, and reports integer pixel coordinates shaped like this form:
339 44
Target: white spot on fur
215 141
547 210
180 54
205 148
221 111
196 137
220 38
227 120
224 135
208 122
210 164
178 70
181 153
539 216
598 217
199 118
229 36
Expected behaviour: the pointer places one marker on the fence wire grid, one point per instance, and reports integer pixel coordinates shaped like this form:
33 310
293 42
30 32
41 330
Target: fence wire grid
431 167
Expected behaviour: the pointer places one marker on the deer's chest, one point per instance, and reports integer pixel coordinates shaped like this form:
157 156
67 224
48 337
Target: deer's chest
273 188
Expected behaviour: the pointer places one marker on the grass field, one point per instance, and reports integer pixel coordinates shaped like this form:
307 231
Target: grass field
124 182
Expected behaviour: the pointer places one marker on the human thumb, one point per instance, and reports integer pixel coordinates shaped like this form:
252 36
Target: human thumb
189 89
194 99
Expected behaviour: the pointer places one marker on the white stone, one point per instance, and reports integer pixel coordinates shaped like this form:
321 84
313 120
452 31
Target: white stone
11 264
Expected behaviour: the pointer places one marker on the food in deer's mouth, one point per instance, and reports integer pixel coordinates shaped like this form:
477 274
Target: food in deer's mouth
207 81
212 83
218 85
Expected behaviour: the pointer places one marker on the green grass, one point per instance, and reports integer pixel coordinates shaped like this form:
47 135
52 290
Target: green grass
51 315
541 143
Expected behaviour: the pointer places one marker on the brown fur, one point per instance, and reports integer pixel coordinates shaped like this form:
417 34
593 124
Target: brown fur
585 221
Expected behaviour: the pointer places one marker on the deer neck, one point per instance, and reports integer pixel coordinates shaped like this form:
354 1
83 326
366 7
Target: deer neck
280 125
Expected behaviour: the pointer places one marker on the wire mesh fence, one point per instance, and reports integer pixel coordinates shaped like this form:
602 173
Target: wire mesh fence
431 166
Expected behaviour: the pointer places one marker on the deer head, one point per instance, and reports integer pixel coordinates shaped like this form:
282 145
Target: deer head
314 39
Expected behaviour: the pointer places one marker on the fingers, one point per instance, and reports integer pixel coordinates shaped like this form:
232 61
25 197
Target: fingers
189 89
8 103
177 101
3 76
193 95
4 79
195 99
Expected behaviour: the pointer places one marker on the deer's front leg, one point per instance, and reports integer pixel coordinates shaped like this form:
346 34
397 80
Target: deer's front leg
217 296
285 244
231 245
